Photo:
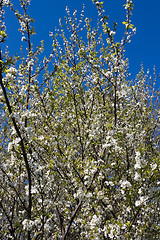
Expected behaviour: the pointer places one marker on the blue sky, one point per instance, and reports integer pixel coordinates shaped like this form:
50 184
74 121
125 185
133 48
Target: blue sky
144 47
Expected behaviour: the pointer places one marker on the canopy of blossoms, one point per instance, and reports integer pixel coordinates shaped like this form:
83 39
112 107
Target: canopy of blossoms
79 139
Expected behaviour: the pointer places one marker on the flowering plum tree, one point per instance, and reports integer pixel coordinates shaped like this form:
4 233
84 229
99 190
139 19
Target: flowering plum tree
79 140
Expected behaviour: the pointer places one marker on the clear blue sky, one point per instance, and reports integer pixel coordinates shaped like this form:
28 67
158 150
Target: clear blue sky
144 47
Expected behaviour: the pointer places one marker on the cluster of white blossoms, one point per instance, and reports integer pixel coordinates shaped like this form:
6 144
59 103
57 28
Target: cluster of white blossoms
30 63
137 176
23 25
11 73
25 2
79 141
95 221
125 183
6 1
27 224
141 200
138 164
13 143
128 4
112 231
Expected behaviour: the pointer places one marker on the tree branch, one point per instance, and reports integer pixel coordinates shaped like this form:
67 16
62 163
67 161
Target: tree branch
71 221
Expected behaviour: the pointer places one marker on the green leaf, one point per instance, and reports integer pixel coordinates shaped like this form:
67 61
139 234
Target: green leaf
3 34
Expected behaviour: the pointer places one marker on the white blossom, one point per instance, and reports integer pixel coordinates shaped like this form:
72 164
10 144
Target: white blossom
141 200
138 161
153 166
125 184
137 176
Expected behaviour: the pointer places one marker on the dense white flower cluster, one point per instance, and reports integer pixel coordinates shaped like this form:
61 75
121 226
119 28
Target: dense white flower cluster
142 200
138 161
11 73
125 184
79 141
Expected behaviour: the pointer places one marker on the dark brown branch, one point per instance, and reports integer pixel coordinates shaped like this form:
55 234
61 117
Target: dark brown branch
21 139
64 236
79 131
60 220
11 229
135 216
